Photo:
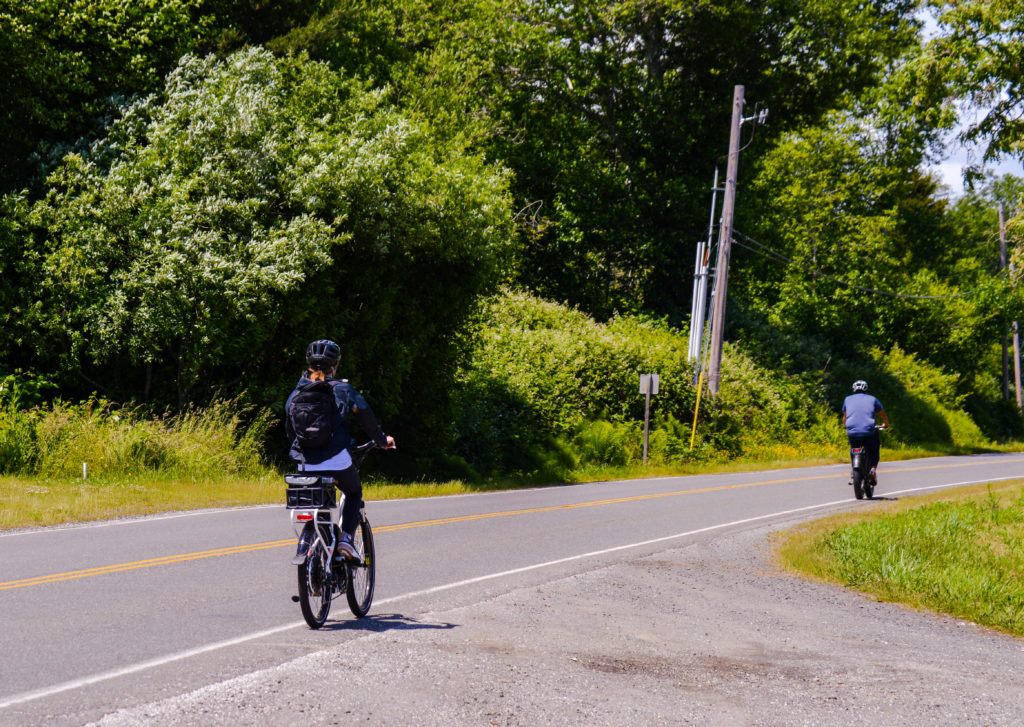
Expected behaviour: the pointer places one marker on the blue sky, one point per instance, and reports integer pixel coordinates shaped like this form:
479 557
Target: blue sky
950 170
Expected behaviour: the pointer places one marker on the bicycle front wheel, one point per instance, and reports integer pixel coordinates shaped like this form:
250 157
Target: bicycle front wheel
361 575
315 588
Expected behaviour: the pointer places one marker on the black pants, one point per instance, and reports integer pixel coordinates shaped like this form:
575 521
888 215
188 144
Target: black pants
352 488
871 445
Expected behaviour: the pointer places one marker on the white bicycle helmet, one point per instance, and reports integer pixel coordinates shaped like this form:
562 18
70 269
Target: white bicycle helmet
860 386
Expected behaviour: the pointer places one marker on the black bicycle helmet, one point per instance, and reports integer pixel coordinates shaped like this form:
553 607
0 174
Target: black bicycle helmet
860 386
323 355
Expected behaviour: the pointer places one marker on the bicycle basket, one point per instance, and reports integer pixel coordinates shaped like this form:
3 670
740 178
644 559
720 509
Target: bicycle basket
306 491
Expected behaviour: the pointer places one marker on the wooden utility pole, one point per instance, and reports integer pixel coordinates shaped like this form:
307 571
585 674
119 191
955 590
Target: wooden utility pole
1003 258
725 244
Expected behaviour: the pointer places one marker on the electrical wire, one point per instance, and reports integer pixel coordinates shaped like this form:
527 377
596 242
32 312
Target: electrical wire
764 250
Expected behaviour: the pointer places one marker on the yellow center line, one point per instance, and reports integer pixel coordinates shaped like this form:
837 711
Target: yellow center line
946 466
235 550
165 560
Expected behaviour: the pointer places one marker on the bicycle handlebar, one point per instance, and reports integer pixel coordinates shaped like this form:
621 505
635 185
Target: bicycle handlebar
361 451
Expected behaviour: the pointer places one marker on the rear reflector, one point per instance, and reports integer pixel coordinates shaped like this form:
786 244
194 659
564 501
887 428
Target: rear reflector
304 516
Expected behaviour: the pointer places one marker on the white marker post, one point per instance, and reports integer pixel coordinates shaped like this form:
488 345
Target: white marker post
648 386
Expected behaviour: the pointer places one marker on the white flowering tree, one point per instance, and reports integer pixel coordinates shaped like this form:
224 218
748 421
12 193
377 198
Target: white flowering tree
253 204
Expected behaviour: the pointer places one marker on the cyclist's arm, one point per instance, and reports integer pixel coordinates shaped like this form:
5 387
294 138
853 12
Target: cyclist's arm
288 431
885 417
364 416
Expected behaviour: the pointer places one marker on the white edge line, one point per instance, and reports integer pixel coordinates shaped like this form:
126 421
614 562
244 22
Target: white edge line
161 661
595 553
141 666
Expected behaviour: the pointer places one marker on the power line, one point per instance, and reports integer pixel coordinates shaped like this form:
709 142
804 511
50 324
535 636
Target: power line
764 250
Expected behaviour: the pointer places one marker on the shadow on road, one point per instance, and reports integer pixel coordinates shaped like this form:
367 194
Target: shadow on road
385 622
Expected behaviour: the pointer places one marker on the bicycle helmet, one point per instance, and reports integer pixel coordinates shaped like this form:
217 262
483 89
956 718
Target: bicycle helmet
860 386
323 355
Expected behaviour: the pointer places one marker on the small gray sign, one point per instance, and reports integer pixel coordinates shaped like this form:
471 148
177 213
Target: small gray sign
649 380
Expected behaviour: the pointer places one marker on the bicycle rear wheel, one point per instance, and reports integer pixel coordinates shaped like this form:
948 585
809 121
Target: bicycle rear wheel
361 576
315 588
858 484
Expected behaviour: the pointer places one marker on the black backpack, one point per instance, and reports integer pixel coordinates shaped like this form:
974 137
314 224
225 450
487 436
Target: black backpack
312 413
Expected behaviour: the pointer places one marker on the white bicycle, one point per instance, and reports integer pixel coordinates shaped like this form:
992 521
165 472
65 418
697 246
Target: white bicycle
312 500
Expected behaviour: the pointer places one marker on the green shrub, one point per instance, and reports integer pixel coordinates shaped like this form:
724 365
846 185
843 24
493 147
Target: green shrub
922 401
541 374
606 443
19 393
17 429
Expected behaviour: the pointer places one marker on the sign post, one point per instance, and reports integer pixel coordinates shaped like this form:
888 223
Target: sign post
648 386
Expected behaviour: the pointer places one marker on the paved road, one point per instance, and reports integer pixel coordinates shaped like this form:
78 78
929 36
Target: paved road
137 617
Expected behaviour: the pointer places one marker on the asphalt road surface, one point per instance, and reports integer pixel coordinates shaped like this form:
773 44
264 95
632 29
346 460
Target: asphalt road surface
641 602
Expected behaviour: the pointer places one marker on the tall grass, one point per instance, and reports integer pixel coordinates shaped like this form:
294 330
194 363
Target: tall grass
136 464
54 441
961 553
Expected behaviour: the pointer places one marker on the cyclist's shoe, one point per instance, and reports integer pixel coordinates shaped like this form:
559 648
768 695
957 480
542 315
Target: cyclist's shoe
346 549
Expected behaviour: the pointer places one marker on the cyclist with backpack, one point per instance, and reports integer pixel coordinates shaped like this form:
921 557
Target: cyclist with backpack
317 415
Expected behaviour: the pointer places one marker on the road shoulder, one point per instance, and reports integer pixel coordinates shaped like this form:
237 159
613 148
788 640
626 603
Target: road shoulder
708 633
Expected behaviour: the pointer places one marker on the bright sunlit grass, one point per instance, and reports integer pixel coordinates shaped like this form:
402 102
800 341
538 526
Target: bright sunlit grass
959 552
39 500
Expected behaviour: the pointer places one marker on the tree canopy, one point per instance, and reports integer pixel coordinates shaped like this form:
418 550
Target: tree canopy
250 204
192 189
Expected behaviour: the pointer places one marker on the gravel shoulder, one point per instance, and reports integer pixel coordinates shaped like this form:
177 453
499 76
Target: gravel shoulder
711 632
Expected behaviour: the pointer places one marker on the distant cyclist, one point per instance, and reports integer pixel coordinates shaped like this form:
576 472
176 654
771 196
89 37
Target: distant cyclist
859 411
316 421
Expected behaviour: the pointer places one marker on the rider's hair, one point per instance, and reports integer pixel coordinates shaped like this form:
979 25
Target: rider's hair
319 375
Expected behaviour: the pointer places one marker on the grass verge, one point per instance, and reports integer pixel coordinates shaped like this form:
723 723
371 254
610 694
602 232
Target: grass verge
959 552
29 501
41 500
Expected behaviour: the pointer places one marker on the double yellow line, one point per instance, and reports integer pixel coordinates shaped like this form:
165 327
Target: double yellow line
235 550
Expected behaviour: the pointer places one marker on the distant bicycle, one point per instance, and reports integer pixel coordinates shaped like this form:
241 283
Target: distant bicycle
312 500
860 476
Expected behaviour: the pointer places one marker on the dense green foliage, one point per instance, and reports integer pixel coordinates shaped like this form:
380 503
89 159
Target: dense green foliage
547 390
849 249
976 57
251 205
193 189
60 62
612 115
